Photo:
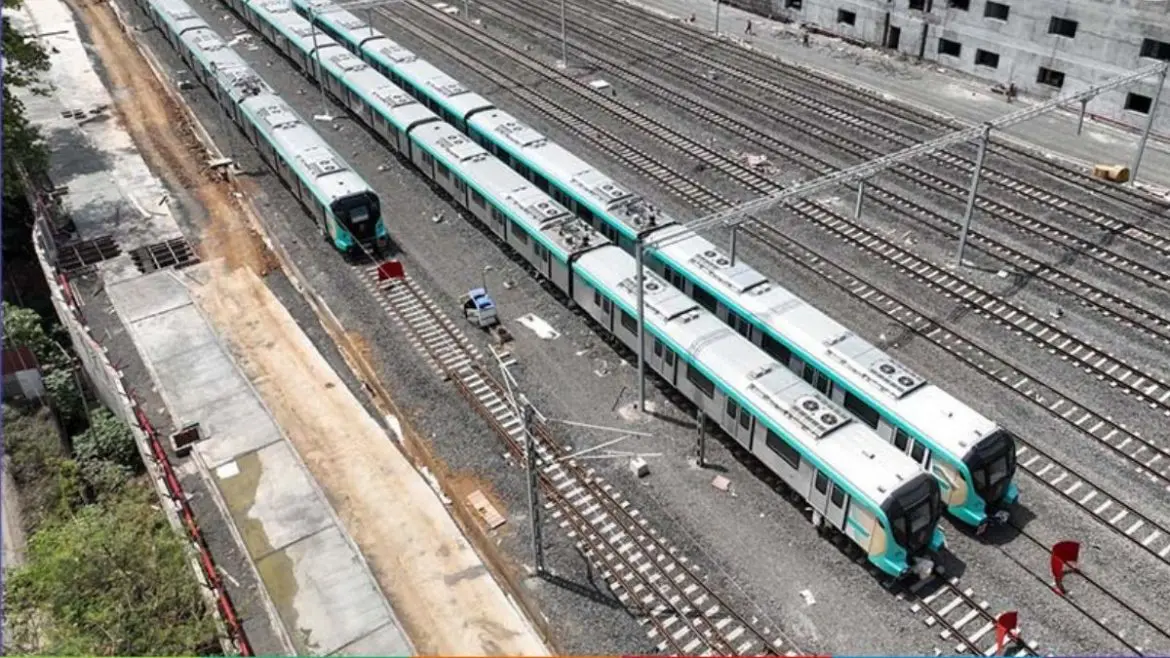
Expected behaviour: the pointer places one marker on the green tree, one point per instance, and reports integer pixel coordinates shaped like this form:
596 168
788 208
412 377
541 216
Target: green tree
24 327
114 579
49 482
108 439
61 385
24 62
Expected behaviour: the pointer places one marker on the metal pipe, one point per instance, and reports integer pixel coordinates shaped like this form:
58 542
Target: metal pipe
1141 149
701 448
533 494
639 255
860 198
983 140
734 235
1081 118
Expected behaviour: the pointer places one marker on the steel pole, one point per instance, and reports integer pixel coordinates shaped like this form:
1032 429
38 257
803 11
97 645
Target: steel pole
1141 148
860 199
533 494
983 140
734 235
701 448
564 42
1081 118
717 3
317 56
466 11
639 255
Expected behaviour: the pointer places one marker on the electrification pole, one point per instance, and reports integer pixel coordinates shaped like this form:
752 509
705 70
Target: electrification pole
639 256
564 43
717 3
983 140
324 116
860 199
734 237
1141 148
533 495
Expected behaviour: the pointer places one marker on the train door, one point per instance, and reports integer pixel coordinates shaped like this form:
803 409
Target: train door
836 509
818 495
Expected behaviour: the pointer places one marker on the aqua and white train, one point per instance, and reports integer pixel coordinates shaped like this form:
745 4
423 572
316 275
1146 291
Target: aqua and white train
345 208
971 456
856 483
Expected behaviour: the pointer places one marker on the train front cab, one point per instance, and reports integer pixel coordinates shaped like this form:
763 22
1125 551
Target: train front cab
359 216
912 514
991 464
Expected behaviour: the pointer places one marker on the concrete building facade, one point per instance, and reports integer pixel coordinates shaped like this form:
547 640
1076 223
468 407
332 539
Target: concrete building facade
1045 47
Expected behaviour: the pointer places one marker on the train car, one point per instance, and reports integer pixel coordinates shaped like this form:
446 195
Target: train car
854 481
444 95
972 457
345 208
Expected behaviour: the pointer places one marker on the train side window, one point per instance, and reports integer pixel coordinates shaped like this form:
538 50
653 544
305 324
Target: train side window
775 349
863 411
669 358
629 323
497 215
657 348
838 497
596 298
780 447
901 440
477 198
745 420
585 213
822 482
732 408
606 306
704 298
700 381
808 373
521 236
918 452
442 169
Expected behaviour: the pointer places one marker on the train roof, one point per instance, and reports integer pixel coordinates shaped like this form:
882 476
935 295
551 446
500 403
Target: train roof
561 231
229 70
178 15
852 450
402 109
297 29
339 19
457 98
599 191
861 365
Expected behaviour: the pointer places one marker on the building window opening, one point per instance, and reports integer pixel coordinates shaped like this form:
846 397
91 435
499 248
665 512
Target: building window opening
1062 27
1155 49
950 48
918 5
986 58
996 10
793 4
846 17
960 4
1138 103
1050 77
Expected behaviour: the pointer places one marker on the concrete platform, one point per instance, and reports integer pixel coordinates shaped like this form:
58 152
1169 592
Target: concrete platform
322 590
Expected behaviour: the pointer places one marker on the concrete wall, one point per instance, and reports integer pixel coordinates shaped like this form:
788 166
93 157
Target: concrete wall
1107 43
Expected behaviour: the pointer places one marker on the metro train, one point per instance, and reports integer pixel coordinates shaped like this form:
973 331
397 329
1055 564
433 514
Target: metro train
971 456
856 483
346 210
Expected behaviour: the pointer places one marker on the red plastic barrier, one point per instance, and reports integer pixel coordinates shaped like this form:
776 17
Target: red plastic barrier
1005 626
391 269
1064 559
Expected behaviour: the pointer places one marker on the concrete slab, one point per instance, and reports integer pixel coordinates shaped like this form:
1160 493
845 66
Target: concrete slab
198 379
167 335
237 428
271 499
323 594
148 295
385 640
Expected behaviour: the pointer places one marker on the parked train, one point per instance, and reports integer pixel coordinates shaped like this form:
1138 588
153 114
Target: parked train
345 209
970 455
856 483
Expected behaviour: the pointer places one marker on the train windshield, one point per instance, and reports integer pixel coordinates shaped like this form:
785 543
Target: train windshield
992 463
358 214
913 512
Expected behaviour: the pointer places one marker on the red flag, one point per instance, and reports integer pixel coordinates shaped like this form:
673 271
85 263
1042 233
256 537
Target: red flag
1064 558
1005 625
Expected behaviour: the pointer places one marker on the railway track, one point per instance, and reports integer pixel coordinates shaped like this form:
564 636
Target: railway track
1141 453
674 57
1145 320
1142 385
653 579
834 94
946 605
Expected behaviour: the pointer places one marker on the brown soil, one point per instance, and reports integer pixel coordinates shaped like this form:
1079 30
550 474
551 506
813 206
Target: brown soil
162 133
448 602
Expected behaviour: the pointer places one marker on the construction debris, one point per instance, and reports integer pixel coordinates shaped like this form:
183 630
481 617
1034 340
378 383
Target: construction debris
721 483
486 510
639 467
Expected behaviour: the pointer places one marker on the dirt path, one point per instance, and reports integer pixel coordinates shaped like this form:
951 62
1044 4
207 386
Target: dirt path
445 597
162 134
